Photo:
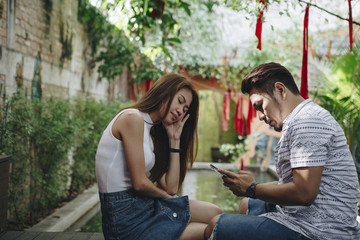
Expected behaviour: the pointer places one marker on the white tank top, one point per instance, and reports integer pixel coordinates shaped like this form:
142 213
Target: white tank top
111 169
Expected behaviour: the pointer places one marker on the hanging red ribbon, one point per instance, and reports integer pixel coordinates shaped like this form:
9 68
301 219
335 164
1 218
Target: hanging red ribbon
213 80
226 110
251 115
149 83
242 168
350 27
181 67
328 53
134 92
259 25
304 71
239 116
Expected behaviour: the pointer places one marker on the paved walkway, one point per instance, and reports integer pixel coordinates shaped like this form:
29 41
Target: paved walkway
18 235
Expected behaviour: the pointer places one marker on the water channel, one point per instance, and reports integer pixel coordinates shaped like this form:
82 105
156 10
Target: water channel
205 185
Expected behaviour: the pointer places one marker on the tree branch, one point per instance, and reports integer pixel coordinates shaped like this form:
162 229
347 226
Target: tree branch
333 14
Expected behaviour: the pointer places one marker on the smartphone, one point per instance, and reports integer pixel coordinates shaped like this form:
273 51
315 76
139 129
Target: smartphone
216 170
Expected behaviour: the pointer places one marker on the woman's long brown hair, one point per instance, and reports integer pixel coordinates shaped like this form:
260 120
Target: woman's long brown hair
162 92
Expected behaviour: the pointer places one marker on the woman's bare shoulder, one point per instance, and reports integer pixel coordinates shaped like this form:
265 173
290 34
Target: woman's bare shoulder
130 118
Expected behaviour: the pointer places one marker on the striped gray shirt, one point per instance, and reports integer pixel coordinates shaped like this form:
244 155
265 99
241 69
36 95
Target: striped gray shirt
311 137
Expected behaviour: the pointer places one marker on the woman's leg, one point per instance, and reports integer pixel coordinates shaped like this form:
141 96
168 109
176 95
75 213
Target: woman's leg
243 207
201 214
210 227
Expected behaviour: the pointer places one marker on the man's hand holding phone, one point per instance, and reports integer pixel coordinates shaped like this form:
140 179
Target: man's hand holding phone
218 170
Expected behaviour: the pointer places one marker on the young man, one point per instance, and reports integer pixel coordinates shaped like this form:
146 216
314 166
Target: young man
318 190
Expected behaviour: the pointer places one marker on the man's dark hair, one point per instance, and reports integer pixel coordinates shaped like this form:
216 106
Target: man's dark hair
264 77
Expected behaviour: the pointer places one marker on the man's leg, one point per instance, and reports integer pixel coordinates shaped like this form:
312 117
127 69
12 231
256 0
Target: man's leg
257 207
239 226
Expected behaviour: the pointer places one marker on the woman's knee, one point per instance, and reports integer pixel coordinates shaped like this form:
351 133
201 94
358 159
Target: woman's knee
216 210
203 211
243 207
210 227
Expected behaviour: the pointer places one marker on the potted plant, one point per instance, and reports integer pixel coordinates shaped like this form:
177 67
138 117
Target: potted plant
234 151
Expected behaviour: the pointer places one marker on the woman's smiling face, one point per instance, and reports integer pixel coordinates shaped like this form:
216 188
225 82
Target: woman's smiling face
179 106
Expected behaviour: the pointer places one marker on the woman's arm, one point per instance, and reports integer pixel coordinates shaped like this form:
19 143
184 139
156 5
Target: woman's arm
170 180
129 127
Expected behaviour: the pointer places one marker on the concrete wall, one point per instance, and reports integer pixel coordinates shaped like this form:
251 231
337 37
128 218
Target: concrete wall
43 41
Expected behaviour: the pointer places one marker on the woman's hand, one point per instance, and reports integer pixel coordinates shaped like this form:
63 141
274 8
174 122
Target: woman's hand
174 130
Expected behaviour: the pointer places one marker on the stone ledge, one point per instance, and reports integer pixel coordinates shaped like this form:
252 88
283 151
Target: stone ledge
64 217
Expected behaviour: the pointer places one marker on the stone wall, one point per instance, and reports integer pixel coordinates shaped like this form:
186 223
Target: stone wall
43 45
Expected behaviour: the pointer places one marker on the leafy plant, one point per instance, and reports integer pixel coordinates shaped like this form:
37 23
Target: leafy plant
144 70
235 150
52 144
342 97
38 136
91 118
110 47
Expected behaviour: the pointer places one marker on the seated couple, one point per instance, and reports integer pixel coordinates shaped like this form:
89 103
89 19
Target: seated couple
155 140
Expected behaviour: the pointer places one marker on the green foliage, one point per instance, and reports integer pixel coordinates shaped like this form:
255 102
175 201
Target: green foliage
158 17
110 47
41 137
116 52
342 97
38 136
143 70
149 14
91 119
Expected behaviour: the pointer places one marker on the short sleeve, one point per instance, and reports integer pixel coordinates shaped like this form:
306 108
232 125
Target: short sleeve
310 143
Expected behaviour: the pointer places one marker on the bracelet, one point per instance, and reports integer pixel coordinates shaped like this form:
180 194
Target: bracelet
175 150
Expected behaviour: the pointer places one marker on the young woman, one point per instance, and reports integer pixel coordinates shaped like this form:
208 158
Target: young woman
154 141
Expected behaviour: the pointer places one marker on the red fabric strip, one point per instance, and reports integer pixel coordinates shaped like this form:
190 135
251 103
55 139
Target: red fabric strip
251 115
259 25
213 80
304 71
239 116
226 110
181 67
149 83
350 27
134 92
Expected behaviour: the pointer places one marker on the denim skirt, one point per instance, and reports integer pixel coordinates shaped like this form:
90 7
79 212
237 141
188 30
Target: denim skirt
129 215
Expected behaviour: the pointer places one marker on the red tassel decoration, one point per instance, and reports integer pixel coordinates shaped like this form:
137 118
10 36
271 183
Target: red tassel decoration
239 116
251 115
149 83
242 168
350 27
213 80
226 110
304 71
181 67
134 92
259 25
